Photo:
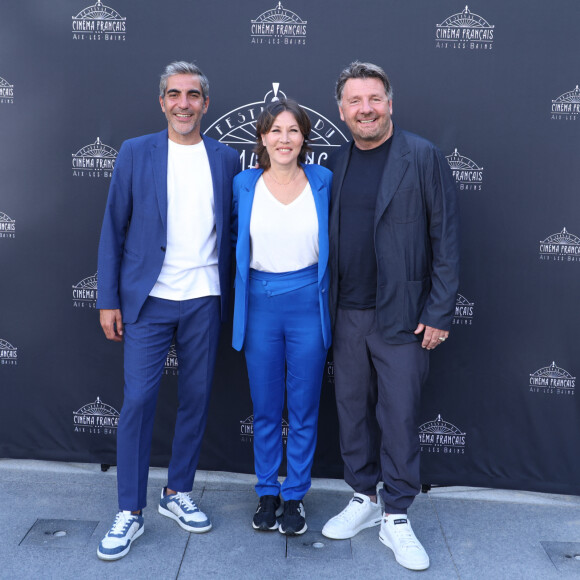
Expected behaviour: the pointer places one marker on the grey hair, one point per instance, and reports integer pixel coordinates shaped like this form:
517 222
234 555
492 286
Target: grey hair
181 67
362 70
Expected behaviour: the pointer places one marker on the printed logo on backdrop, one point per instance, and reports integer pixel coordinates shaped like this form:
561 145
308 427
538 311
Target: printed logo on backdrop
84 293
465 30
99 22
94 160
247 430
6 92
171 364
440 436
464 310
278 26
96 418
329 374
561 247
468 174
552 380
567 106
238 129
7 226
8 353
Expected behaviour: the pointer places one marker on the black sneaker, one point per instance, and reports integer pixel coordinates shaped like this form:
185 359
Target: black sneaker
267 511
294 519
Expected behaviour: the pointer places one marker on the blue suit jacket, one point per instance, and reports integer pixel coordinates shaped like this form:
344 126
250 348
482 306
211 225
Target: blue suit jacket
416 233
134 232
320 180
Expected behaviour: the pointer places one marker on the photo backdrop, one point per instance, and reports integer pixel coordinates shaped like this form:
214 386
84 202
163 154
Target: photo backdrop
494 84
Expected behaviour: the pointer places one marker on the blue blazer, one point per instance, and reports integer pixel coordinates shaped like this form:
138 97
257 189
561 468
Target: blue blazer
320 180
416 232
134 232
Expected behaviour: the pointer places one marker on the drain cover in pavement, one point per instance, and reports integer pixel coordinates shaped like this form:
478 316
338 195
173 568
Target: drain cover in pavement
59 533
564 555
314 545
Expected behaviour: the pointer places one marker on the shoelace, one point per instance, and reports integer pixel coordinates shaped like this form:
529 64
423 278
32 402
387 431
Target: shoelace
185 501
293 507
350 511
405 536
267 504
122 521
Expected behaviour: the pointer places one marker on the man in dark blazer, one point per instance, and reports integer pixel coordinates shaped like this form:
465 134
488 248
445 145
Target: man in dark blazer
394 278
163 272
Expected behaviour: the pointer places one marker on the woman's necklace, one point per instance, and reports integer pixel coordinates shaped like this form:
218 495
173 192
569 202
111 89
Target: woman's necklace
284 184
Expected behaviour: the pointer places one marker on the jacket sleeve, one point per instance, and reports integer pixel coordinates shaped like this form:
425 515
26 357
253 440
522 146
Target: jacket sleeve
443 230
114 229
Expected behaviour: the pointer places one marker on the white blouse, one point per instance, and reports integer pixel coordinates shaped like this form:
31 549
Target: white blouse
284 238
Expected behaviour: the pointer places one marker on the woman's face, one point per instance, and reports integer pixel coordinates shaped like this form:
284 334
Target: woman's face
284 140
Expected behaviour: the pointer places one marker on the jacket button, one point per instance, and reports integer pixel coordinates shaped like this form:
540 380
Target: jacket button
163 248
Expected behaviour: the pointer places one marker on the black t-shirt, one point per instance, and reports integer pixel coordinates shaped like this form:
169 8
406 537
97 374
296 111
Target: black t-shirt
357 265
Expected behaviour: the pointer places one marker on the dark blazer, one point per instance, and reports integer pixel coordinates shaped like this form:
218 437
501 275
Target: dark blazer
416 233
134 231
244 187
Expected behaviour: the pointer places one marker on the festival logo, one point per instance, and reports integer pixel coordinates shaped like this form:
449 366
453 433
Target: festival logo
8 353
279 26
7 226
84 293
329 372
567 106
440 436
464 310
94 160
96 418
247 430
465 30
6 92
238 129
468 175
552 380
171 364
560 247
99 22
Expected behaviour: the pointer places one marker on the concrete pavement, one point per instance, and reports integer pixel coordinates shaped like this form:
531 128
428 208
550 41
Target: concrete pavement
53 516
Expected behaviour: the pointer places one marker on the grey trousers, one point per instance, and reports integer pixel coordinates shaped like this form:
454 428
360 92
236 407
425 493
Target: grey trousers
378 392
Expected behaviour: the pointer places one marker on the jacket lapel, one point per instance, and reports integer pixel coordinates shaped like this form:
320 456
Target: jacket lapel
395 168
159 165
338 173
245 202
216 168
321 203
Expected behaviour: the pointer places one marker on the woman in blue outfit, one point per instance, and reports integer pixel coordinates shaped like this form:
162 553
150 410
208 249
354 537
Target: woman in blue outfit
281 306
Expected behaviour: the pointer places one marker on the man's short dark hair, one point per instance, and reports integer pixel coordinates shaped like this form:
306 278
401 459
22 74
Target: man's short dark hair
266 120
362 70
181 67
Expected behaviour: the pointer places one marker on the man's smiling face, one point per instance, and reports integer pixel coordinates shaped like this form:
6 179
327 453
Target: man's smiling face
184 106
366 110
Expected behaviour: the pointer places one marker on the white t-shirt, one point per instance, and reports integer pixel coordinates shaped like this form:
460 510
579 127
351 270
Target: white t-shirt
190 267
284 238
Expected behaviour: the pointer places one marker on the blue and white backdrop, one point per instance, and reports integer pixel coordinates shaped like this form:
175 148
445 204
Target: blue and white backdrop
494 84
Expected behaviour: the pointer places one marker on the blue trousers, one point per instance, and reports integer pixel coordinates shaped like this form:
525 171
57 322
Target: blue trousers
284 354
195 324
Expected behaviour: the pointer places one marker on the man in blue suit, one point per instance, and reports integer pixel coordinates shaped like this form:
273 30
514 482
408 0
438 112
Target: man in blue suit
164 267
394 262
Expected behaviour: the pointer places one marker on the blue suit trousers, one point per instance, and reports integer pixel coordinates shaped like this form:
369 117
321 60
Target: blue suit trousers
195 326
285 354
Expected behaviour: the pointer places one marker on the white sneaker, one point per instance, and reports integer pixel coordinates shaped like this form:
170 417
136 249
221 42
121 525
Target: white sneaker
360 513
396 533
126 528
180 507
